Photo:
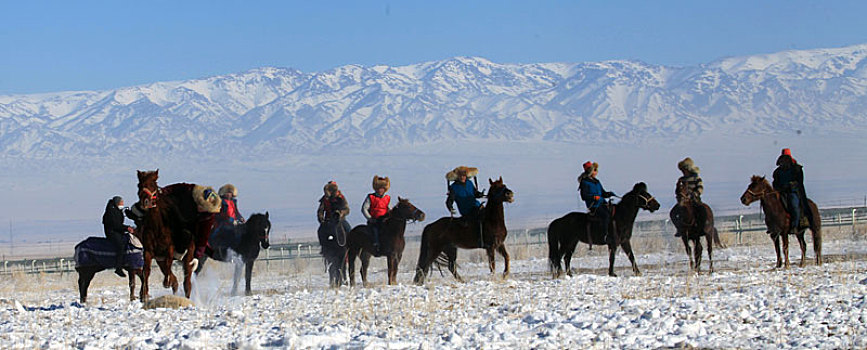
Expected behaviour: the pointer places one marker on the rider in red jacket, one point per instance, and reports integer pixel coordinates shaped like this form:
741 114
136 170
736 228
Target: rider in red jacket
375 206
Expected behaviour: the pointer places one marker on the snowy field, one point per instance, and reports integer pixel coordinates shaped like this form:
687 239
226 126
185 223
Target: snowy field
745 304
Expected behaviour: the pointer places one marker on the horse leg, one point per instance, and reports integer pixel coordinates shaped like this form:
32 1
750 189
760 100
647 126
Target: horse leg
352 254
803 244
710 240
698 250
502 250
491 262
685 239
392 269
248 275
612 249
777 249
132 274
817 244
146 273
567 261
85 275
365 264
188 273
627 249
786 248
452 254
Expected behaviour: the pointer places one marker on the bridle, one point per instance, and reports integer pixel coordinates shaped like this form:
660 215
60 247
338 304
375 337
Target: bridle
150 201
646 199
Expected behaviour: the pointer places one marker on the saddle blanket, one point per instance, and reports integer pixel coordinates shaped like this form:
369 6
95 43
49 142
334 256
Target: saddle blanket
98 251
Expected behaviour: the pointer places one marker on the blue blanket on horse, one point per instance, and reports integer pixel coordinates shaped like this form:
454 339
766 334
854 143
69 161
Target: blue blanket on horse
98 251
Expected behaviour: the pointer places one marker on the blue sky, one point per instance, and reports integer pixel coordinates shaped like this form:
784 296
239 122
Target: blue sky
88 45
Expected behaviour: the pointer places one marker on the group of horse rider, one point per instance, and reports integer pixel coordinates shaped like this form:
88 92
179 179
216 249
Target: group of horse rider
225 229
788 180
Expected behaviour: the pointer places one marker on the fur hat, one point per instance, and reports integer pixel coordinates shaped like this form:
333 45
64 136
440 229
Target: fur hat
461 170
116 200
383 182
330 188
228 188
590 166
206 200
687 165
786 152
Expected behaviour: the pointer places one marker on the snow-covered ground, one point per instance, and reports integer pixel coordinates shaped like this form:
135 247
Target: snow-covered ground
745 304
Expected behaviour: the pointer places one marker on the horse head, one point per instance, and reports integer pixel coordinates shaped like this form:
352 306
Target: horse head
148 191
758 188
643 199
261 225
405 210
499 191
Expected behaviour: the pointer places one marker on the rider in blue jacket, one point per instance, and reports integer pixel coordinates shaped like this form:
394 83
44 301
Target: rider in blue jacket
594 195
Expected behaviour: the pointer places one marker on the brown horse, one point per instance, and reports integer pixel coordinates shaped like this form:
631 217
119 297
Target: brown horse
777 220
440 239
565 232
172 217
391 240
690 227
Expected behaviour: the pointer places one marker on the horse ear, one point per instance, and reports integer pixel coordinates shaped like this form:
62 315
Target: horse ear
138 173
490 181
501 179
399 199
266 214
157 172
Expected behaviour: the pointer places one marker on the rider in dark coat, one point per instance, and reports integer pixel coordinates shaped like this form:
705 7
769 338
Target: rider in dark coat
594 195
694 189
789 181
333 206
116 232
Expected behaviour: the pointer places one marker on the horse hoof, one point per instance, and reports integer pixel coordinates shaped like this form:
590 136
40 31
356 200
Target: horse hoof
612 274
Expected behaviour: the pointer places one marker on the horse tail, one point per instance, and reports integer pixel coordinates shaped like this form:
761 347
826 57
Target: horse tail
424 250
716 241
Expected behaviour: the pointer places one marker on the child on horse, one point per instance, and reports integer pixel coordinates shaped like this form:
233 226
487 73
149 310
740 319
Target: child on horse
465 193
693 188
375 206
333 206
226 222
789 181
116 232
594 196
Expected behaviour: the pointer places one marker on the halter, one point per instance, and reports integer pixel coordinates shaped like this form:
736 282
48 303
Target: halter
152 196
646 199
762 194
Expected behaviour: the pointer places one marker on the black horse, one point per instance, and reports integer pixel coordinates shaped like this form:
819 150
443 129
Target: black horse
223 247
391 235
565 233
332 238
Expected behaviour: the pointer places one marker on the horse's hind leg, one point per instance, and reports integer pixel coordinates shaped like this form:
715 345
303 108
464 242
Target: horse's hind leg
452 255
365 264
710 241
786 248
236 277
817 244
803 244
502 250
132 274
627 249
776 240
85 275
352 254
612 249
567 262
698 250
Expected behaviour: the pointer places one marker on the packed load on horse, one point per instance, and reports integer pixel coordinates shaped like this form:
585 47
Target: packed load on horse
789 181
464 193
375 206
595 196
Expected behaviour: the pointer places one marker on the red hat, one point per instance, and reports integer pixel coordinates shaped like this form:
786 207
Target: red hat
786 152
587 165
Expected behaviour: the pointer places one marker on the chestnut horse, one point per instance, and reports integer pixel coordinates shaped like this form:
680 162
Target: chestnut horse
391 240
440 239
564 233
777 220
171 220
688 225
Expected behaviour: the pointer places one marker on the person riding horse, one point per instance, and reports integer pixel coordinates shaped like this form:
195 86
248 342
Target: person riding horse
694 189
594 196
464 193
226 222
333 206
116 231
789 182
375 206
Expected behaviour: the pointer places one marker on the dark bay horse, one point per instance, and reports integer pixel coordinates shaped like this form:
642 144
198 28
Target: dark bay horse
254 233
687 222
332 235
391 239
171 219
440 239
564 233
95 254
777 220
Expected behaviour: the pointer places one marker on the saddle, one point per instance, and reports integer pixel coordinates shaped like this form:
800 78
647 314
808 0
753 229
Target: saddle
804 222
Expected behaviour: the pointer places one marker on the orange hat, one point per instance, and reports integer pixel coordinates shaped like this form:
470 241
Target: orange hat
786 152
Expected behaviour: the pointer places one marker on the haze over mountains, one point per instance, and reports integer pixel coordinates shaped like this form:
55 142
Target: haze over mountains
284 110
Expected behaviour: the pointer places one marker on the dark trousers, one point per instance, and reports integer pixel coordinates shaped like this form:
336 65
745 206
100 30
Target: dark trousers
604 217
119 241
794 201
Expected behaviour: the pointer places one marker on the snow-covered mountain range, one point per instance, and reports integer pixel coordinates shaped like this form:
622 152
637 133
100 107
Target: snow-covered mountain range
286 110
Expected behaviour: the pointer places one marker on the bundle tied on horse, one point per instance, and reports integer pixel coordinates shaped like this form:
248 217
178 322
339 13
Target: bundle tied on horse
95 254
178 218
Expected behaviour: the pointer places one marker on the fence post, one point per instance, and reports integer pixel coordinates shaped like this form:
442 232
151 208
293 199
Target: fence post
853 221
60 267
33 265
739 226
299 250
6 266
